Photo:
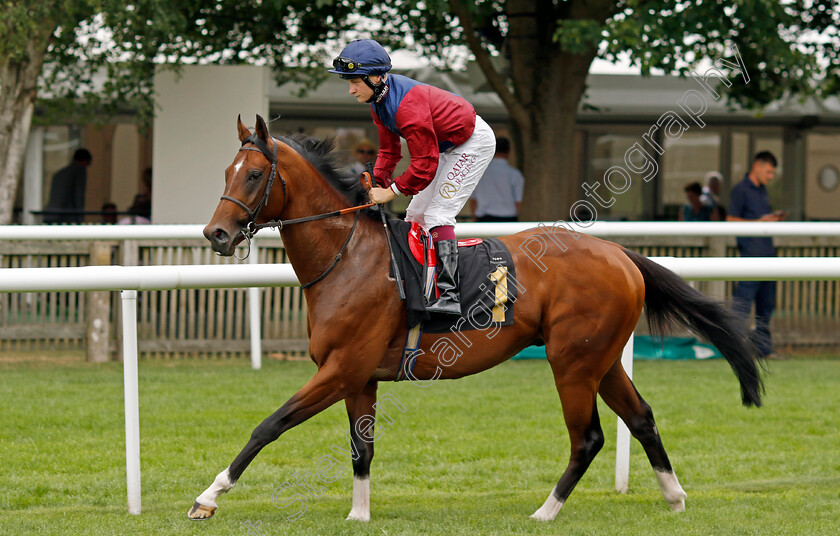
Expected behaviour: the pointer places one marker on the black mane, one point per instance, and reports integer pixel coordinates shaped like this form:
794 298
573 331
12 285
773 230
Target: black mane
319 153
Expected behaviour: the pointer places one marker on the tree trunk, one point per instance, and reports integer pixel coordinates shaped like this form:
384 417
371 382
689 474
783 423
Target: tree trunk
549 152
18 91
548 83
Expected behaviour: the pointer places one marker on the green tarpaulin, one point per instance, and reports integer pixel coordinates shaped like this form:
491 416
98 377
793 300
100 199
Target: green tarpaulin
645 347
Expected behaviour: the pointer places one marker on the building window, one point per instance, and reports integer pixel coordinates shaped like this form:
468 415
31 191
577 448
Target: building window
60 142
621 194
822 202
687 159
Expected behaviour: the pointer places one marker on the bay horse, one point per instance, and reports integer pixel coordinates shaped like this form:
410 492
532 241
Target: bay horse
581 299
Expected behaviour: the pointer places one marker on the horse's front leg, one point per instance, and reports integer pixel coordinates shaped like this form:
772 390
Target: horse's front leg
361 409
328 386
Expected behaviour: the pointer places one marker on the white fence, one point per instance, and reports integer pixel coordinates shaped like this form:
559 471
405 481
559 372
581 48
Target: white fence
602 229
131 279
168 233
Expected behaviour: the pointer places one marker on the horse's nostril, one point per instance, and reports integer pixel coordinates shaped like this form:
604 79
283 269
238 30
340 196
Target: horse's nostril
220 236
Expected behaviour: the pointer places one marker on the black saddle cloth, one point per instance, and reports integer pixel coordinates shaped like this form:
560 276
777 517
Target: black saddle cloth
487 282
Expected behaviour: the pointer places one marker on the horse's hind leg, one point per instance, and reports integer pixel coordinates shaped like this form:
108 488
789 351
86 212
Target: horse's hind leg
361 409
622 397
577 394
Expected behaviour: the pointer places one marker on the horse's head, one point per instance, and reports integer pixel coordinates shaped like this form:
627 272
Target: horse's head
249 197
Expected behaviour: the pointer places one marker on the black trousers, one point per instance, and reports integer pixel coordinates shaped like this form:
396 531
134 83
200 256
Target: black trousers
763 294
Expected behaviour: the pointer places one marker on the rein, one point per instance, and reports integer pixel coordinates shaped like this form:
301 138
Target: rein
252 227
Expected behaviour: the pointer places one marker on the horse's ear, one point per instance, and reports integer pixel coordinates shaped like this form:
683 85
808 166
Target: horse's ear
262 129
243 130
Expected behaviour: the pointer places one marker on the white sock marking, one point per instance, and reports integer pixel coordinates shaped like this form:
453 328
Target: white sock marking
549 510
671 489
361 500
220 485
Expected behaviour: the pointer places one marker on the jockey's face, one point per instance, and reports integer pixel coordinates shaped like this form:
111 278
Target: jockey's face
360 90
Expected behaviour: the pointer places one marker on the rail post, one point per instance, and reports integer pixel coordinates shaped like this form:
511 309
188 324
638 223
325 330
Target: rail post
622 443
254 313
98 332
132 400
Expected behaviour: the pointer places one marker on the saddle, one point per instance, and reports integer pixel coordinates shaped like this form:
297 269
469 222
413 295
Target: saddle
419 243
485 268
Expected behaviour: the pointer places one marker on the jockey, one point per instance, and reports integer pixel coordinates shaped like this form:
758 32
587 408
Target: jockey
449 144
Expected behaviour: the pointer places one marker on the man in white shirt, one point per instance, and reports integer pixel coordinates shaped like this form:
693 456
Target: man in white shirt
498 195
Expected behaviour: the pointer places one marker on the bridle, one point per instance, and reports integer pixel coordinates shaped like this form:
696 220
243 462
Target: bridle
252 227
261 147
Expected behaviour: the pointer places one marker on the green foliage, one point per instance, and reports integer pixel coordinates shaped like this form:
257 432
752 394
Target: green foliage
472 456
789 47
578 36
128 41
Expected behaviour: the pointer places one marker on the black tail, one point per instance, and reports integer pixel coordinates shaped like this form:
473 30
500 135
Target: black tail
668 298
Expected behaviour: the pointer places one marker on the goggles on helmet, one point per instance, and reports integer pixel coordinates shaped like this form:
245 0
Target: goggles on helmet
348 65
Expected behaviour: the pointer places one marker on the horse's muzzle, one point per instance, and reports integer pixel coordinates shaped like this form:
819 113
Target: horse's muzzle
220 240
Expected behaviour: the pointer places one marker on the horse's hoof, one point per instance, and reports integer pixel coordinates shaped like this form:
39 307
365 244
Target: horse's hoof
199 512
678 506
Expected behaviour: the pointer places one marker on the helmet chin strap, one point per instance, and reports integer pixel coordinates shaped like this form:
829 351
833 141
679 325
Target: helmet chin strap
379 90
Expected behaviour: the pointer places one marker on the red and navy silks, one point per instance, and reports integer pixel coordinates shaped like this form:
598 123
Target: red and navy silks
475 264
430 119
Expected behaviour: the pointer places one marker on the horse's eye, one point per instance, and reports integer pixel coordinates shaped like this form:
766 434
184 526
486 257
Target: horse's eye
255 175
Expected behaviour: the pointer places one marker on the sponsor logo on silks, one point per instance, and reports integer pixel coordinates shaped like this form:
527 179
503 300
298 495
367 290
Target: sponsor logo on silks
455 177
462 167
448 190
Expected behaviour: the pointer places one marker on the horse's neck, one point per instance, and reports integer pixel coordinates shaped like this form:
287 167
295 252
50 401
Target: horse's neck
313 246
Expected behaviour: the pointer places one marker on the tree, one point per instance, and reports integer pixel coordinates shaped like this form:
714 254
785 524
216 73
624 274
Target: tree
548 47
26 32
62 45
535 54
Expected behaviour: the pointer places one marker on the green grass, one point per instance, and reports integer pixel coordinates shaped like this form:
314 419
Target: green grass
474 456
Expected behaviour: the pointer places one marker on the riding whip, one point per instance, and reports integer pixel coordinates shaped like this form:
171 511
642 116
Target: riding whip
367 180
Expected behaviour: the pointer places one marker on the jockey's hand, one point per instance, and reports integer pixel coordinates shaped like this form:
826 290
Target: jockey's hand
381 195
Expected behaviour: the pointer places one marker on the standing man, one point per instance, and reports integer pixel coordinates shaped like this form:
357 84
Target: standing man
67 191
498 196
450 147
750 202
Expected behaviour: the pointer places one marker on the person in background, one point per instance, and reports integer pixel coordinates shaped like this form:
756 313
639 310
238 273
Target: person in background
364 153
67 189
498 195
140 211
711 195
109 213
749 202
147 182
694 209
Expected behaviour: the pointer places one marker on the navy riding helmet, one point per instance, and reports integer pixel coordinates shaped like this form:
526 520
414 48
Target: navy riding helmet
360 59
